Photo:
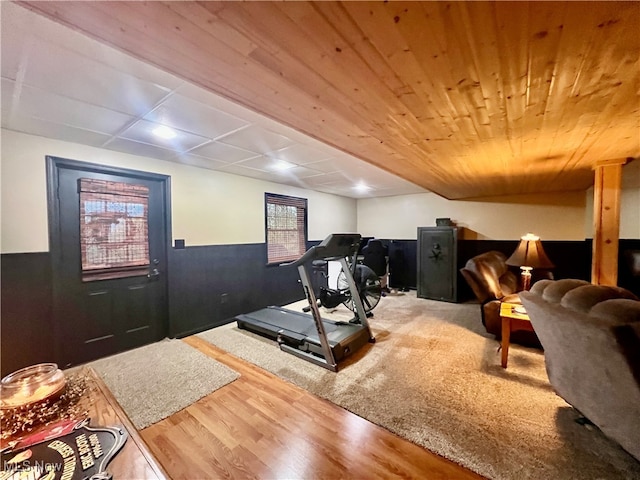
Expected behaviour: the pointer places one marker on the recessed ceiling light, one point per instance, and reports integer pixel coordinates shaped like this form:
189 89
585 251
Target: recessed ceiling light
361 187
164 132
282 165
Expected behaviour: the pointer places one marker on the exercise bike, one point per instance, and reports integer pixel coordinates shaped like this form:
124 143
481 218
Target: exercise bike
367 285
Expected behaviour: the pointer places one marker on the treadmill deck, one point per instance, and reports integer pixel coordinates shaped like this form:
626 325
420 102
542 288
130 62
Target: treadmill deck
298 330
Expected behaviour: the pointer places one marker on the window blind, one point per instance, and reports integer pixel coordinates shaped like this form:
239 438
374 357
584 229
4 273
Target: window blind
113 225
286 227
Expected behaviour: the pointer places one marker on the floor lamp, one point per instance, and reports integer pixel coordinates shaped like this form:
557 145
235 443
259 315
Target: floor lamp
529 255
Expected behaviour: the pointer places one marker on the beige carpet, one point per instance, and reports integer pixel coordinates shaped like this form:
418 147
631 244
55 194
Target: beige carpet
434 377
157 380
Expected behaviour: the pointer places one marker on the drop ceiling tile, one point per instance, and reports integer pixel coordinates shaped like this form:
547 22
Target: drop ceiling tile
97 85
216 101
6 97
143 149
207 97
11 54
344 161
303 172
43 128
355 171
224 153
33 102
132 67
256 139
246 172
195 117
142 131
327 166
67 63
41 29
296 175
335 178
400 190
264 163
198 161
291 176
288 180
301 154
339 191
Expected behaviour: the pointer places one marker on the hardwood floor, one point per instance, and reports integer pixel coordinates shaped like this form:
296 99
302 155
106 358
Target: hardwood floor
260 426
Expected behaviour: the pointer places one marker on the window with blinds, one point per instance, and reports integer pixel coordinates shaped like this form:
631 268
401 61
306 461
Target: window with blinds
286 227
113 229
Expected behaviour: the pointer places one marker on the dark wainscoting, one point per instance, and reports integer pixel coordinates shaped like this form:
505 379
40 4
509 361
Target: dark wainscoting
628 276
572 259
27 333
209 285
402 263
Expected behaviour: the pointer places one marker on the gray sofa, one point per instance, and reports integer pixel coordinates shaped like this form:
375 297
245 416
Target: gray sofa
591 340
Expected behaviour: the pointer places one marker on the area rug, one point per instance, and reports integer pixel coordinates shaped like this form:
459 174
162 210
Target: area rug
434 377
157 380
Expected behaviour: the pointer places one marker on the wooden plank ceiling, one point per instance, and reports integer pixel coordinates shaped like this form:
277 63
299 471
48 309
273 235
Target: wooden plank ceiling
466 99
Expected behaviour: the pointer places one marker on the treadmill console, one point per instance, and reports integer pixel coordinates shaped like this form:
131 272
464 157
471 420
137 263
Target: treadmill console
342 242
336 245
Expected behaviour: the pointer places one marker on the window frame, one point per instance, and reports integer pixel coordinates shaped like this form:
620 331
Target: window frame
291 201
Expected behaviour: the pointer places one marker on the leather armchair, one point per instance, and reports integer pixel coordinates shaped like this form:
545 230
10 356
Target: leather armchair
492 282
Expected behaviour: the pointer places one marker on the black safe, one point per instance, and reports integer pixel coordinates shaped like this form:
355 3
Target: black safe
437 263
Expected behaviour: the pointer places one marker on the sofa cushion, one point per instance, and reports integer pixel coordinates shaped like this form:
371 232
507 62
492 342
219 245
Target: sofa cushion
540 286
618 311
584 297
553 291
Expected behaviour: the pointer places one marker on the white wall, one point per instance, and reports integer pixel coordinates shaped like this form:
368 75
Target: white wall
630 214
629 204
208 208
557 216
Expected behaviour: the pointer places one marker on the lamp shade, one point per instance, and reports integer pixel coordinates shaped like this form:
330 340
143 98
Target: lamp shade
530 254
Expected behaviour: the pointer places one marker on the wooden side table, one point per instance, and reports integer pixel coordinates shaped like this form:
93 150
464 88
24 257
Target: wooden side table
135 460
511 321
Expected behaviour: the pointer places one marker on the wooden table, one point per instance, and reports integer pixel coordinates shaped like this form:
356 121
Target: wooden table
135 459
511 320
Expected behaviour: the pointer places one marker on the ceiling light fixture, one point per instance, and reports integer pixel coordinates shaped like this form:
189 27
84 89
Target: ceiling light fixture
282 165
361 187
164 132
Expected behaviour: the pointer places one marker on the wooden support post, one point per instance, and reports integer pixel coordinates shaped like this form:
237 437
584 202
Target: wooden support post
606 222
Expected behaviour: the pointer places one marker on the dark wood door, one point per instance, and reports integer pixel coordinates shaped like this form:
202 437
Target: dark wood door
437 261
101 312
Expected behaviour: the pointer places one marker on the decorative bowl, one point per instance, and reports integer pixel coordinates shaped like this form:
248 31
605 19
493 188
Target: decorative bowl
41 382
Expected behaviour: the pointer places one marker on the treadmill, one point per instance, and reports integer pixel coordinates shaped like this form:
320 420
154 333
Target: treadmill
309 336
